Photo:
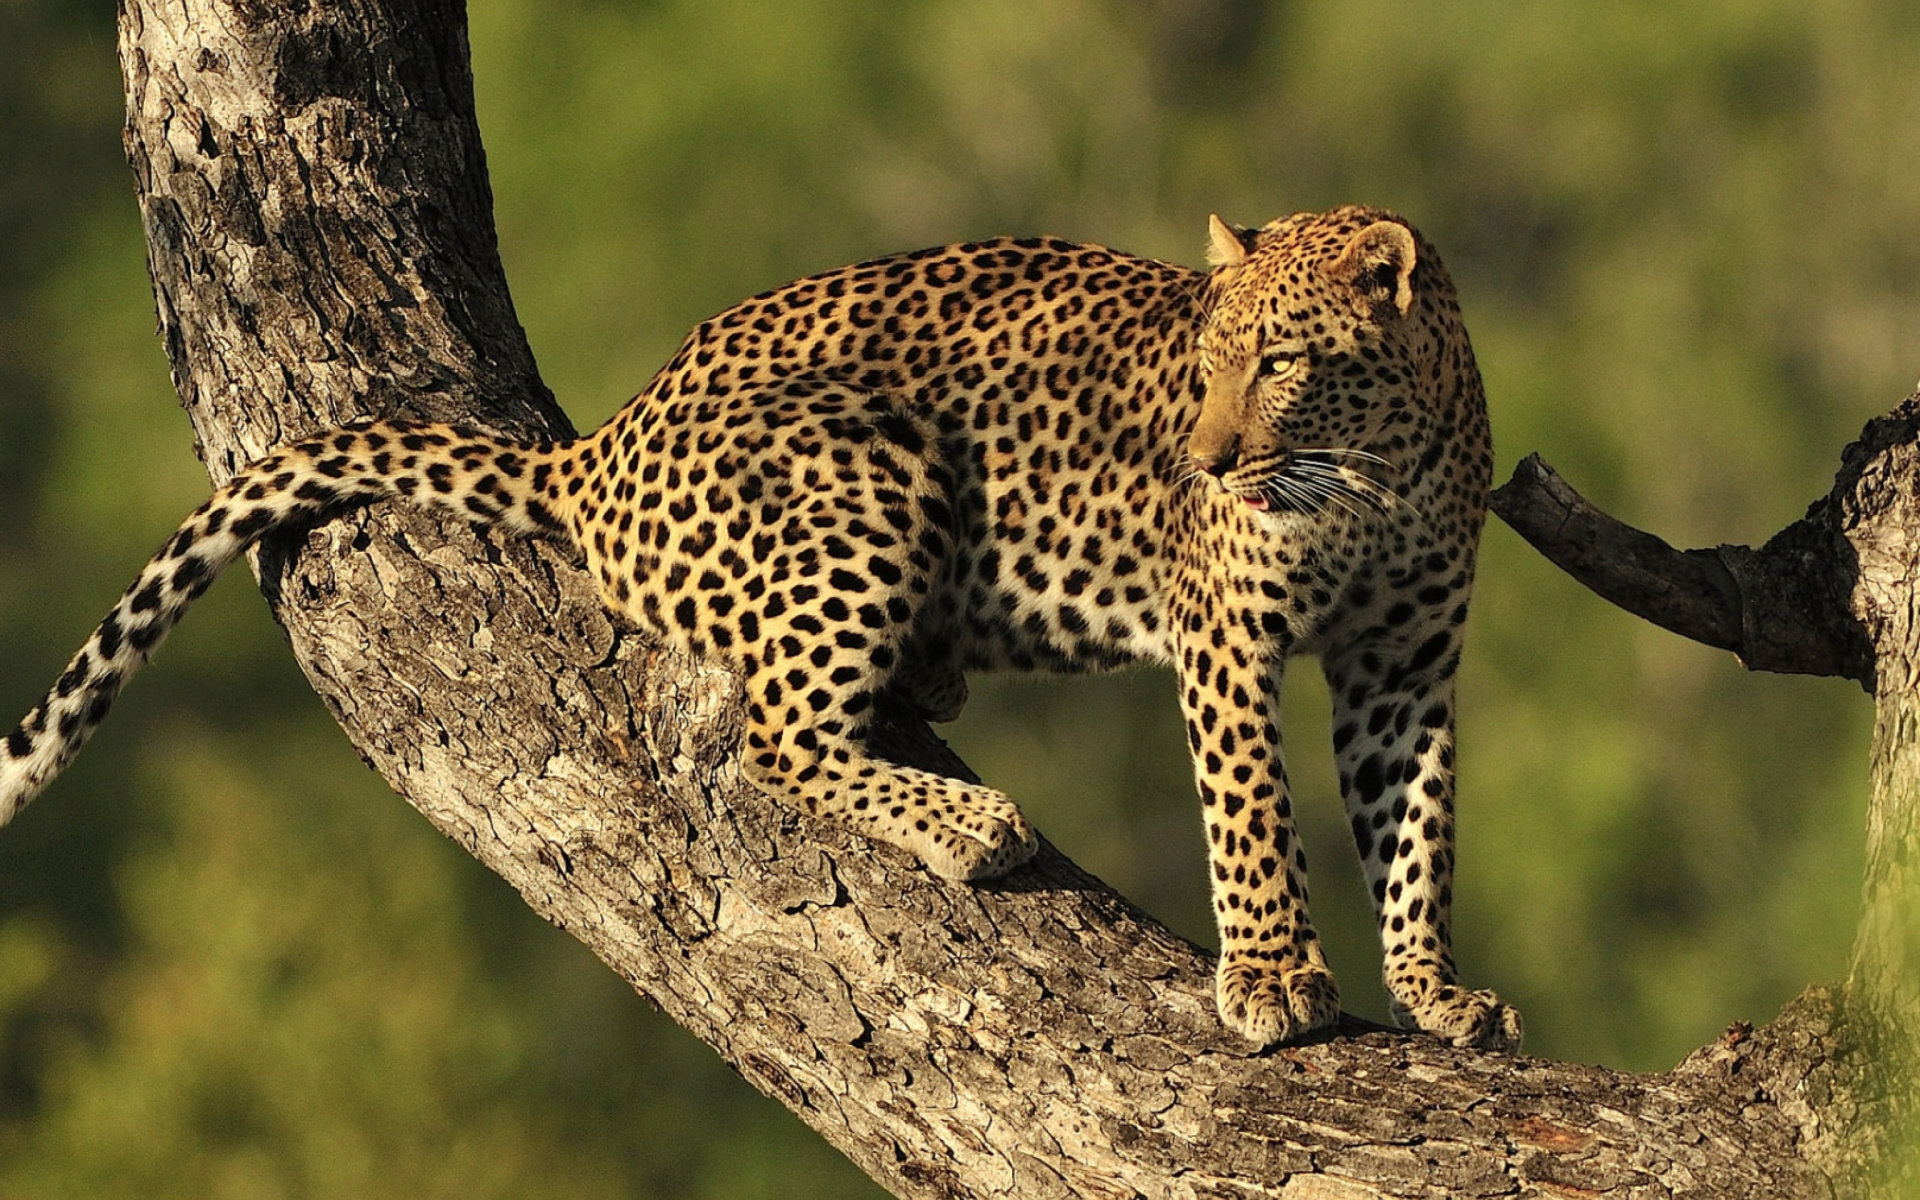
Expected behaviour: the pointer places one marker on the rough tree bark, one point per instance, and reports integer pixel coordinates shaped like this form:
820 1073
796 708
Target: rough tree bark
1831 594
320 236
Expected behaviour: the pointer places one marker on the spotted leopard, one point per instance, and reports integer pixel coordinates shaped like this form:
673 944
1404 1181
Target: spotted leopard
1024 454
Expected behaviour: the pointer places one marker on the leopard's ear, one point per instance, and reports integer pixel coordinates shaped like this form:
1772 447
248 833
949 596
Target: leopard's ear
1378 263
1227 245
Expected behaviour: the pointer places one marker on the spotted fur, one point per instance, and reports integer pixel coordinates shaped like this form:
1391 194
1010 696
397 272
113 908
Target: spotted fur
1026 454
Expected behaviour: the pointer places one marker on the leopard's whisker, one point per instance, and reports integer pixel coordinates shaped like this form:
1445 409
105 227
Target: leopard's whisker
1315 492
1375 494
1335 479
1347 452
1311 480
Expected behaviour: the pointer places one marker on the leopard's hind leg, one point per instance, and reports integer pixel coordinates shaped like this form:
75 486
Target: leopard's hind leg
835 523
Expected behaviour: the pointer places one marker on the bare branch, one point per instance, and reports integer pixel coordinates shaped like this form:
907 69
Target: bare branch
1689 592
1776 608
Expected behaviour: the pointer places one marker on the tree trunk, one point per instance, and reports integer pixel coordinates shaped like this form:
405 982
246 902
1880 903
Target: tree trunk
321 244
1832 594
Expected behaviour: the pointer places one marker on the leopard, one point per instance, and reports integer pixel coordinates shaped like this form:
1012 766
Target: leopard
1025 454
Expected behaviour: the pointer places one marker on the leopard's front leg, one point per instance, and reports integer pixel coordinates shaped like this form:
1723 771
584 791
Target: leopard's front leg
1393 742
1273 981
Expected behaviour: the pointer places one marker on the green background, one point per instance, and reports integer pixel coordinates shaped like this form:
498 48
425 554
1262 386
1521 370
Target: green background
232 964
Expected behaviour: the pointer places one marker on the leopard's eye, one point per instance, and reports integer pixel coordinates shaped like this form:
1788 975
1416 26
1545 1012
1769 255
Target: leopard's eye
1278 364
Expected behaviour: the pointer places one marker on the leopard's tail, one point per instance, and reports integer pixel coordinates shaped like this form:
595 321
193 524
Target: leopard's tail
471 474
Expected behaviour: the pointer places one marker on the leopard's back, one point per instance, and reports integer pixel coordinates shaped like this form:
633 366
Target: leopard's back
1054 382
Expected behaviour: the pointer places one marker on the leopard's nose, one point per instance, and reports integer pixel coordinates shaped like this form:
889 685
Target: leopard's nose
1218 462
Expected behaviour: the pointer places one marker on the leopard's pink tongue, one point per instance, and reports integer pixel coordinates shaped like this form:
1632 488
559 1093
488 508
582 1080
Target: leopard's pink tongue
1256 503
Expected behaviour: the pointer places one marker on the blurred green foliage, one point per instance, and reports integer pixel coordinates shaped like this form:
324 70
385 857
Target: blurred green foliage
1687 238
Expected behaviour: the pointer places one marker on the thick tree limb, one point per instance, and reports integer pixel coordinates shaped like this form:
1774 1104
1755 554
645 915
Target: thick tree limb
320 238
1771 607
1831 594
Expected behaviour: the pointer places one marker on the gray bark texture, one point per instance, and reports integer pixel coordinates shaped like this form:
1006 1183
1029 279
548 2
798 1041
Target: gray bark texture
321 244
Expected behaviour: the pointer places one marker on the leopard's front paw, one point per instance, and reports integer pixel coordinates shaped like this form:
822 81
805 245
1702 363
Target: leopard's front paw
983 837
1275 1002
1479 1020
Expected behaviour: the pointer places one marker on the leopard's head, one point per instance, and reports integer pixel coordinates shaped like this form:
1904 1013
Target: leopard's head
1324 357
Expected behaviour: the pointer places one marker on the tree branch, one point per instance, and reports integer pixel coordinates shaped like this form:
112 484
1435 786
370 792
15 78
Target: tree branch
1831 594
320 236
1771 607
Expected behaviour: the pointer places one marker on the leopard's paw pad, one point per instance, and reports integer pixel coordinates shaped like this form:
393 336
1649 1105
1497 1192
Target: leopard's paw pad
1268 1002
1473 1019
